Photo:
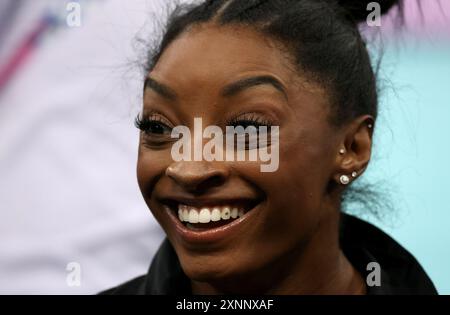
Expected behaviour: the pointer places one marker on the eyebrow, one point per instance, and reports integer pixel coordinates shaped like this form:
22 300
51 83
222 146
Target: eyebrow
241 85
160 88
230 90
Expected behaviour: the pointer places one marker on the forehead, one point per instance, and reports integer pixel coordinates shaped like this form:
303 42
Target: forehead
204 59
209 54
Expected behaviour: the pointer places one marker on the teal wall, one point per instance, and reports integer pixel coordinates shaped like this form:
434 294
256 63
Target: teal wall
412 153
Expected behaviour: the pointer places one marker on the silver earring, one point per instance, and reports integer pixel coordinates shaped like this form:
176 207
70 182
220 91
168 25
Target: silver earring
369 126
341 151
354 174
344 179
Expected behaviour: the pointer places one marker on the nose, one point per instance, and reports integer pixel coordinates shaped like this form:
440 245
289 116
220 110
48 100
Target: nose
197 176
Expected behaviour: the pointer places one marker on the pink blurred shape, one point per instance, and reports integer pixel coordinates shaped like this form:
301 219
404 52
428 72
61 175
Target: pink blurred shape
421 18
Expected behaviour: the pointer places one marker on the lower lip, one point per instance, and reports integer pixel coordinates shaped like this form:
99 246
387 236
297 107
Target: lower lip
209 235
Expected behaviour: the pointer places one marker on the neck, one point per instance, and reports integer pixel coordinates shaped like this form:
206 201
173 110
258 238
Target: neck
317 267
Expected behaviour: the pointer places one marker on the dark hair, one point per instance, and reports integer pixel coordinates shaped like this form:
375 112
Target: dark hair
322 36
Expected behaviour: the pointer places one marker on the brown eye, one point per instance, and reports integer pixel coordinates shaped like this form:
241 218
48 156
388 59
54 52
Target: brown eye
152 126
244 125
247 123
155 127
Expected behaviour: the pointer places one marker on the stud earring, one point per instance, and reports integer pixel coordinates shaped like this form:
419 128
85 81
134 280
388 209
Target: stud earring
344 179
370 126
354 174
341 151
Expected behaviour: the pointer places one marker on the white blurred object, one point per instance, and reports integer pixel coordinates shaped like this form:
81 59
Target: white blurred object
68 149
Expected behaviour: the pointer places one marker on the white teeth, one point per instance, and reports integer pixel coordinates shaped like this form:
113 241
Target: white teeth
185 215
206 215
226 213
193 216
215 215
234 213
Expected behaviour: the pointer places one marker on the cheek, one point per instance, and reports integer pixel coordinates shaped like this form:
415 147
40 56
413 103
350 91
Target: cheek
150 166
301 178
295 192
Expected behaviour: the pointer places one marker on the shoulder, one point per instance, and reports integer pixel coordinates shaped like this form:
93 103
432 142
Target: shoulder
364 243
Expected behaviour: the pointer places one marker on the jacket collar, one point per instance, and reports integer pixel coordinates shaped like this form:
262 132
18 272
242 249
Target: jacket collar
361 242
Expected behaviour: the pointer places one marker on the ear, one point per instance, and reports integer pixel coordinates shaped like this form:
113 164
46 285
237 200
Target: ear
355 148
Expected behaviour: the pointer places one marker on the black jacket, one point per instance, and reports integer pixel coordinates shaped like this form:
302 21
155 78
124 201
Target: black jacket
361 242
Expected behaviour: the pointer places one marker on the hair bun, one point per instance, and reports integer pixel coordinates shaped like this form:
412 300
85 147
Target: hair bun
358 8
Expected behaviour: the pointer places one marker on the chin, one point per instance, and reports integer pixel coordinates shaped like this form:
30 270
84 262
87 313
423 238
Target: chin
204 269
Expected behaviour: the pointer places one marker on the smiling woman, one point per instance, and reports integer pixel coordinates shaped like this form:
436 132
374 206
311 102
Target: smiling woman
231 229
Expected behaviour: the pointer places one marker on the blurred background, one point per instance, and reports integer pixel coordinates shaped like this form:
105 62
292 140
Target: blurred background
70 87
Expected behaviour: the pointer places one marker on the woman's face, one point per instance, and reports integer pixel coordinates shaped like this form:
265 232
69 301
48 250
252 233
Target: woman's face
283 209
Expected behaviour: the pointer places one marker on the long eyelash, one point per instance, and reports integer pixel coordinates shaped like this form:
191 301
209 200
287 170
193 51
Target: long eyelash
144 123
250 119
